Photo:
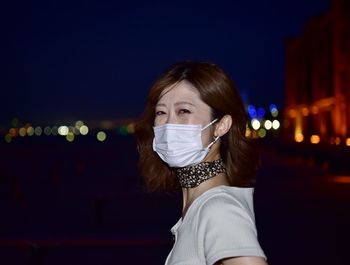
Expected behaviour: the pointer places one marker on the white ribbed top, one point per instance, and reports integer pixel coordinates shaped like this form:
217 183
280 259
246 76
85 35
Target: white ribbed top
219 224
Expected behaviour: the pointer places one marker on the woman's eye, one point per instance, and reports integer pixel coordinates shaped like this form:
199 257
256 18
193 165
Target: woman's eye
159 112
184 111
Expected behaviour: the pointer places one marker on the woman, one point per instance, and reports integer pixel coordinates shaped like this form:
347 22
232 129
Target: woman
193 136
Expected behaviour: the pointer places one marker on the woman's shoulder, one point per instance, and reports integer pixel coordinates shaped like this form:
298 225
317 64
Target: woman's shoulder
225 200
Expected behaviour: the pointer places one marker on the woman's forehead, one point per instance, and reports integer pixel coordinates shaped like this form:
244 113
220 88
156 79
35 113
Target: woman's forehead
181 91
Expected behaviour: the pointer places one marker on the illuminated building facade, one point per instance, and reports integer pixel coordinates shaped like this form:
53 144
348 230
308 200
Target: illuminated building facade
318 79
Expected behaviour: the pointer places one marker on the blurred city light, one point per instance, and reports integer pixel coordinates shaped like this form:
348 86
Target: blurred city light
8 138
255 124
347 142
30 131
299 137
76 131
101 136
292 113
123 130
341 179
262 133
63 130
252 111
275 124
268 124
273 110
47 130
54 130
13 132
305 111
248 132
314 109
78 124
22 132
261 113
38 131
315 139
70 137
337 141
131 128
14 122
84 130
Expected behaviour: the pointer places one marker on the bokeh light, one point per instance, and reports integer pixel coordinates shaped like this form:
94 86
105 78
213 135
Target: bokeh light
78 124
14 122
84 130
337 141
315 139
131 128
305 111
30 131
38 131
252 111
13 132
54 130
268 124
123 130
248 132
63 130
273 110
347 142
275 124
8 138
47 130
101 136
255 124
261 113
70 137
262 133
299 137
22 132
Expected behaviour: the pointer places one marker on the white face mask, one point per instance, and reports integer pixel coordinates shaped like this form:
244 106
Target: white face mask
180 145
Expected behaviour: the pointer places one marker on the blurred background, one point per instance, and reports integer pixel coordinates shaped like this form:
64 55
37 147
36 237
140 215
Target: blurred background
74 78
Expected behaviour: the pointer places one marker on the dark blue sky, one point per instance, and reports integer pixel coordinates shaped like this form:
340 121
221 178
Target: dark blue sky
97 59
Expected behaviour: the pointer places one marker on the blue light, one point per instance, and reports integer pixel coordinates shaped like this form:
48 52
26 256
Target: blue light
261 113
273 108
252 111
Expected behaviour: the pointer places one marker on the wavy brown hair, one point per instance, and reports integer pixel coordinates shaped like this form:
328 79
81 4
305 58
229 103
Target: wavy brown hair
218 91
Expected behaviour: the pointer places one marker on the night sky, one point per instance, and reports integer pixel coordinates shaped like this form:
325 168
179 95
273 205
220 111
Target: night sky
97 59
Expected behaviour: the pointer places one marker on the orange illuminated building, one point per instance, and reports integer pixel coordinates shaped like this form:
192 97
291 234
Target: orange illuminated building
318 79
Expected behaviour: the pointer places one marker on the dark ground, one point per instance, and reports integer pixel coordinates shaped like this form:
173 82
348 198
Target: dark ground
82 203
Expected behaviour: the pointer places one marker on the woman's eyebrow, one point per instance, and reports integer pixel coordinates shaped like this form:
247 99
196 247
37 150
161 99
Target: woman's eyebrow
184 102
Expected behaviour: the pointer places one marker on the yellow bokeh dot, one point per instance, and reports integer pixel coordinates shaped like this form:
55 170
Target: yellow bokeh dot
30 131
347 142
22 132
299 137
101 136
262 133
84 130
131 128
8 138
70 137
315 139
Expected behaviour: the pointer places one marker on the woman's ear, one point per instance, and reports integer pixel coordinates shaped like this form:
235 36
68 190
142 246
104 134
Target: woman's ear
223 126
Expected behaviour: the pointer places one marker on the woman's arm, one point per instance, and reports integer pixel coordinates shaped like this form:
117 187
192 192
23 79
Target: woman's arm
243 261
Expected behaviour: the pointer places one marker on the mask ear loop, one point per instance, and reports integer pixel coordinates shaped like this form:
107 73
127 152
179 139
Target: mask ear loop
209 124
213 142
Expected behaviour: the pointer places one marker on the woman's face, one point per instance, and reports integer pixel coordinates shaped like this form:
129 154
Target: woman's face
181 104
